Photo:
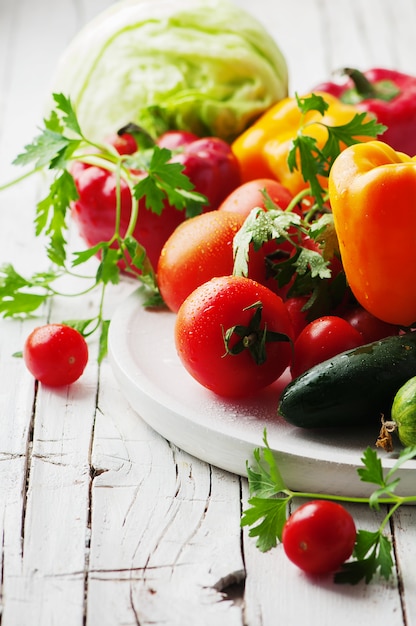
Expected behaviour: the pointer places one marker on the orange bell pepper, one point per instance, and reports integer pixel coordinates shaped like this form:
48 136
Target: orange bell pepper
372 191
262 150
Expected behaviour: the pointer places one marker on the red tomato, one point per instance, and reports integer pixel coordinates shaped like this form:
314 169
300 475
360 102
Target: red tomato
176 139
55 354
322 339
198 250
94 211
297 315
370 327
319 536
124 143
249 196
201 327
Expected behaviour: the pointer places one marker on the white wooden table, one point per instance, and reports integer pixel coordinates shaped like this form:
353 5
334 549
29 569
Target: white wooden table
102 521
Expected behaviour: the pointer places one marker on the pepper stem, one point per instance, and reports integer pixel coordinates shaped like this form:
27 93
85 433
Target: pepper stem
364 89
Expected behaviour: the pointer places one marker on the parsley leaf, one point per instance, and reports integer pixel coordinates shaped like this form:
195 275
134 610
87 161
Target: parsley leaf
51 214
310 160
165 179
20 297
45 148
295 262
314 162
273 514
69 118
150 173
270 497
373 554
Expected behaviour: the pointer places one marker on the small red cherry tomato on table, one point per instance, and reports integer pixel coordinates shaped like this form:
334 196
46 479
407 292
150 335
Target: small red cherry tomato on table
233 336
319 536
55 354
322 339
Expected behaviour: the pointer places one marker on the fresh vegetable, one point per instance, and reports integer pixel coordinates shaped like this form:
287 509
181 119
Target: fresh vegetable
372 191
310 266
321 339
300 257
199 249
270 498
319 536
389 94
55 354
370 327
205 66
60 144
233 336
253 194
403 418
208 163
297 307
295 141
352 388
403 412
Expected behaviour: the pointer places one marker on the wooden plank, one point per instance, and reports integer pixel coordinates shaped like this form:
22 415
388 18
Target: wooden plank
405 550
44 451
165 523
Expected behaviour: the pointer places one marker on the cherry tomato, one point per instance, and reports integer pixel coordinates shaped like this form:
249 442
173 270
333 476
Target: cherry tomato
370 327
55 354
249 196
319 536
176 139
322 339
124 143
297 314
220 330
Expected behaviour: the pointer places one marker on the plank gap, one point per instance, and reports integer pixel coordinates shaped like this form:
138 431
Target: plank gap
400 584
28 464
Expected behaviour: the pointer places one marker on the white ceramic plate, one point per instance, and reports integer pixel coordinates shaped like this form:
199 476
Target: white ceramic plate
225 433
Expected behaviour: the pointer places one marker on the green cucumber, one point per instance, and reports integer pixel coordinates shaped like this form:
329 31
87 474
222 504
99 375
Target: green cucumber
354 387
403 413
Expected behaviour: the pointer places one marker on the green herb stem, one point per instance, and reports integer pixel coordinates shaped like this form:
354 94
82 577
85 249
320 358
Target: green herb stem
19 179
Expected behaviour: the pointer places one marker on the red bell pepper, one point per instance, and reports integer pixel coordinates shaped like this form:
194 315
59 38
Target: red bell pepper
208 162
389 94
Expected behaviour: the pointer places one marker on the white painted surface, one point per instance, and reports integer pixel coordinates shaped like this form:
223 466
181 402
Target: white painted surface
102 521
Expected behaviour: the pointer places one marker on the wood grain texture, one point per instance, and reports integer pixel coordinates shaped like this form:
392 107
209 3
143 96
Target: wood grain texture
102 521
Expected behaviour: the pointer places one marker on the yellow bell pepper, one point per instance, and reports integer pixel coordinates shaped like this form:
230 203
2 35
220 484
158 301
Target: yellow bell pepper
372 191
263 149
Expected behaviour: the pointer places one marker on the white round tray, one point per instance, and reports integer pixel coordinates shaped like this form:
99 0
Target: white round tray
222 432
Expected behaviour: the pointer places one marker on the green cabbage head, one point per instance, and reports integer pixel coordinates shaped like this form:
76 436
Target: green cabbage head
201 65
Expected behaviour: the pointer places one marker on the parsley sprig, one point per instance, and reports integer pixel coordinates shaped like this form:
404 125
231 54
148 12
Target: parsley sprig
313 161
305 269
150 175
270 498
298 264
